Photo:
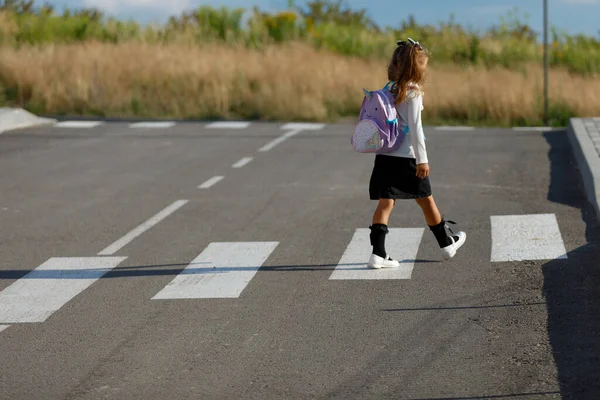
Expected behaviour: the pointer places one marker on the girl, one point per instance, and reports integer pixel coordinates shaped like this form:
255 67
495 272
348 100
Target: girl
404 173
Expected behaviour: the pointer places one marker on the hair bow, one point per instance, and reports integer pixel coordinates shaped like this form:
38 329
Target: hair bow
411 41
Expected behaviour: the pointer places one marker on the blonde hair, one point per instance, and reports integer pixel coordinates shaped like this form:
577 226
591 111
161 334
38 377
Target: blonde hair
407 69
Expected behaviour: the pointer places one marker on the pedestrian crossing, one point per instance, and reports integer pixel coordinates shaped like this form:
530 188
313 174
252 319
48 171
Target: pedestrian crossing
153 125
43 291
526 237
223 270
78 124
235 125
404 241
229 125
219 125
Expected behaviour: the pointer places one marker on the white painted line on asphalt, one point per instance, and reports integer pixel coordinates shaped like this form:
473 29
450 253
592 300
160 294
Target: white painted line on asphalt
211 182
78 124
242 163
403 244
222 270
532 128
3 327
526 237
153 125
229 125
455 128
274 143
43 291
303 126
119 244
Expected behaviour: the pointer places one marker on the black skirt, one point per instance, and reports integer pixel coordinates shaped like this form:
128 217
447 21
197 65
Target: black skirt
395 178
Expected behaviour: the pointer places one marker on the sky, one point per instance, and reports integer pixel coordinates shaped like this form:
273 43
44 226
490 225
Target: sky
571 16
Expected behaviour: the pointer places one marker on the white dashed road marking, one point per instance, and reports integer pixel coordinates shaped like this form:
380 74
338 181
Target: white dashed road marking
43 291
274 143
293 129
222 270
242 163
211 182
119 244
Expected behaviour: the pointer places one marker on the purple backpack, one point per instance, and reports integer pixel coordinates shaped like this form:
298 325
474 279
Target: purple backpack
377 130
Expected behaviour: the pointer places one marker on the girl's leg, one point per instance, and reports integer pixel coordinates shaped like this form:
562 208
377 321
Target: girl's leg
430 210
379 229
383 211
449 243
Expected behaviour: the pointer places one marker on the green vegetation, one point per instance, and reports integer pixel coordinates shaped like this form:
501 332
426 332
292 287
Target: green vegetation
325 24
309 62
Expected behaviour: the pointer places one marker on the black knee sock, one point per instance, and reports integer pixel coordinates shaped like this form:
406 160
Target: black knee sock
443 238
378 232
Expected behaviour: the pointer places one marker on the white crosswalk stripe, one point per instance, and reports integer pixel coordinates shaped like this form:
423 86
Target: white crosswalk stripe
3 327
532 128
78 124
526 237
455 128
43 291
303 126
222 270
153 125
229 125
353 264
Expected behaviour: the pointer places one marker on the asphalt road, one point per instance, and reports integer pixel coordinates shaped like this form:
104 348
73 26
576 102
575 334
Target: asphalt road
478 326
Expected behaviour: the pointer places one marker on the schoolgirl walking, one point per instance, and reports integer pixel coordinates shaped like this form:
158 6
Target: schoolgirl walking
401 171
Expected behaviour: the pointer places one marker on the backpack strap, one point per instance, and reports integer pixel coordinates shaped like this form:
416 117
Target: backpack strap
394 121
388 87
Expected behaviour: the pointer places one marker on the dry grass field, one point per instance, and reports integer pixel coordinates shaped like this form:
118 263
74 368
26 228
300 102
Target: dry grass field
291 81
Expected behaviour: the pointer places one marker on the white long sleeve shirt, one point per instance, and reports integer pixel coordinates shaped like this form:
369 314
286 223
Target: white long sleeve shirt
409 113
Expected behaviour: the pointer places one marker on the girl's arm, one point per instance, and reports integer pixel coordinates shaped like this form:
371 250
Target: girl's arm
415 105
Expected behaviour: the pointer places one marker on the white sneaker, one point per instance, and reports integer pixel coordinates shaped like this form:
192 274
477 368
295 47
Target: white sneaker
377 262
450 251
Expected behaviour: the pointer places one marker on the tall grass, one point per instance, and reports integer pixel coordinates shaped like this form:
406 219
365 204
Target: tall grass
290 82
296 64
510 44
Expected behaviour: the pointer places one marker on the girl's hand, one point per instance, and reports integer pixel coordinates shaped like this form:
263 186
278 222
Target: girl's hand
422 170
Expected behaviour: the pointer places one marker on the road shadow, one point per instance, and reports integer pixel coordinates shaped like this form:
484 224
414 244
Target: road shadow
572 288
194 268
